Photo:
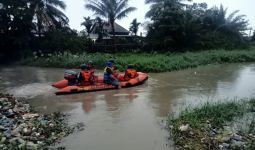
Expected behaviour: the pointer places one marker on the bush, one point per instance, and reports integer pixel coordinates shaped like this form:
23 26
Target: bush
65 40
147 62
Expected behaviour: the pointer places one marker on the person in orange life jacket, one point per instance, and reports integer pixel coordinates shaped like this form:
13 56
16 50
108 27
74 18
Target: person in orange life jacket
90 66
92 69
109 75
85 76
130 73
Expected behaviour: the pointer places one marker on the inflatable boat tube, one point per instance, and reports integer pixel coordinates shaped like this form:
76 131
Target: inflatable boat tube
65 88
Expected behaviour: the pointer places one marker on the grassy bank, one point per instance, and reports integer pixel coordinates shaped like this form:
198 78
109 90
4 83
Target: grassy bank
146 62
215 126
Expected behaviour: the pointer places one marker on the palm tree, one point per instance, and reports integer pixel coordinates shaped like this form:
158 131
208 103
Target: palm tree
49 13
99 28
110 9
217 20
159 5
88 23
134 27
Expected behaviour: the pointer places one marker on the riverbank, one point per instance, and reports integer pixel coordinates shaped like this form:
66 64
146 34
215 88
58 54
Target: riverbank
146 62
23 128
215 126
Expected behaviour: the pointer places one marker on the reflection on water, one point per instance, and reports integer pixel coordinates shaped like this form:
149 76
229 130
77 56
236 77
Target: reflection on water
129 118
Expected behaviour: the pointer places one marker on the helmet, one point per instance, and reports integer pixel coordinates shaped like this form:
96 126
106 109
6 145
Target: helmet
109 64
130 66
83 66
90 62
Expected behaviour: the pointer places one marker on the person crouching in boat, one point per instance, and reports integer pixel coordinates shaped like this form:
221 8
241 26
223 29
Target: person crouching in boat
85 77
109 75
130 73
116 71
90 66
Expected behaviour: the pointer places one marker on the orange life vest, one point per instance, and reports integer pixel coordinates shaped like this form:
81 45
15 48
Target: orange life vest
86 75
130 73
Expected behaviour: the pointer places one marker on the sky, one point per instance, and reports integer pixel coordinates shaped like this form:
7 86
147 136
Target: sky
75 11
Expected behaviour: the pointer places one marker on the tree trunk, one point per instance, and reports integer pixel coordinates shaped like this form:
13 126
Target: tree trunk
113 33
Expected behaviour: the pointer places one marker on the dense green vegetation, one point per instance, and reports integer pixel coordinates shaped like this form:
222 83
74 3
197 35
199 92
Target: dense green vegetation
63 39
177 26
28 26
253 37
32 25
148 62
211 125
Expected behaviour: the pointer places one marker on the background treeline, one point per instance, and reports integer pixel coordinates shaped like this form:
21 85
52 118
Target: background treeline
32 25
28 26
177 26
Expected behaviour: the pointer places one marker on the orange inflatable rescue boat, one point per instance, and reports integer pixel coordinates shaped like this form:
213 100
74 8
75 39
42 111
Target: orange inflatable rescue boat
67 86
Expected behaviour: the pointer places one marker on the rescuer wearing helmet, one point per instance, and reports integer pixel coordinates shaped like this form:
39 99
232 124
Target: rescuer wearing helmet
109 75
90 66
86 76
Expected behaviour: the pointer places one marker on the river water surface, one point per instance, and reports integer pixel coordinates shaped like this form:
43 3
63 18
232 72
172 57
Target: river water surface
132 118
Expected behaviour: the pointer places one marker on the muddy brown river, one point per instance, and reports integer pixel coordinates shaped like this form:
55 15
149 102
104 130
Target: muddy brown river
132 118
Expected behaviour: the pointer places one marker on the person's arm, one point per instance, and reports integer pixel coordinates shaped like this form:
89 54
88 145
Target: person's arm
80 77
108 70
112 76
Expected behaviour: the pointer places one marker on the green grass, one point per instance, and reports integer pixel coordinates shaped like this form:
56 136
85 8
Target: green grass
216 114
204 119
146 62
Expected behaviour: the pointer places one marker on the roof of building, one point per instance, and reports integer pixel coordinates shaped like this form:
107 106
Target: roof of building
117 28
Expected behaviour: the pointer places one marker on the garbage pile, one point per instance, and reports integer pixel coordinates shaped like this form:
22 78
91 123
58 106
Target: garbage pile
23 128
